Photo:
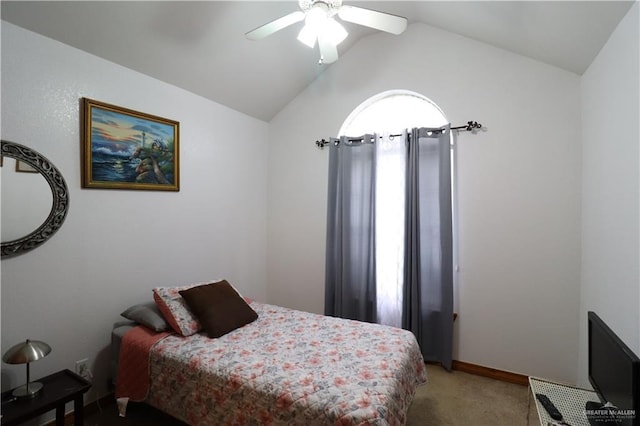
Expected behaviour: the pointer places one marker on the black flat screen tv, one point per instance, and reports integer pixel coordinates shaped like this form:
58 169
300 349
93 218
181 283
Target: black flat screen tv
614 373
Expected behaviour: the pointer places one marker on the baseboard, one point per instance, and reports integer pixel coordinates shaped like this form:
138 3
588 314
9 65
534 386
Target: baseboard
479 370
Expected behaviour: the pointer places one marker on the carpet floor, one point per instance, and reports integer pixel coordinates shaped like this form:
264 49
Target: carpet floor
460 399
448 399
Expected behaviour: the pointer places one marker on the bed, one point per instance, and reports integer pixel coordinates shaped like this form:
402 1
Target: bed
285 367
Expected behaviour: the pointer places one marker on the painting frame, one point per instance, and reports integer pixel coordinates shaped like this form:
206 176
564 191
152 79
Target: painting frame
126 149
22 167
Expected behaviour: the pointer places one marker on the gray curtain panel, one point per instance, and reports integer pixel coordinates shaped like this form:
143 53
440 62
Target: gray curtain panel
350 287
428 282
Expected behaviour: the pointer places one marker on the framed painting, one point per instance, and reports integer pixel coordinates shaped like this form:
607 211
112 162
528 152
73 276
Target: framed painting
126 149
23 167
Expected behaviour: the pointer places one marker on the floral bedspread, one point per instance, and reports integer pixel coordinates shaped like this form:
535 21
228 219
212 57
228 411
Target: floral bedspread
288 367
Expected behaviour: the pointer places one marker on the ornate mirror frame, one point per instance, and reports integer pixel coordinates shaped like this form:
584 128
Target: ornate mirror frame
59 191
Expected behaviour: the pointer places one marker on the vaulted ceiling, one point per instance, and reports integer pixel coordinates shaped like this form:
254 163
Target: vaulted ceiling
200 46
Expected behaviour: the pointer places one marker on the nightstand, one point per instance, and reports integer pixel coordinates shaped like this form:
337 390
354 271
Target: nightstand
58 389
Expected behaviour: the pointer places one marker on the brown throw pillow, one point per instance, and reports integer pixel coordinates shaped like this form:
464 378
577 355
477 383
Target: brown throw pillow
218 307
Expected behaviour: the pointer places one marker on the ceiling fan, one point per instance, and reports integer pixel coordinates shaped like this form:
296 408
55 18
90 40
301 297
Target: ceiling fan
320 24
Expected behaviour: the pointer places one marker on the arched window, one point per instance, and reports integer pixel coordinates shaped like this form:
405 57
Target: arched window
393 111
390 113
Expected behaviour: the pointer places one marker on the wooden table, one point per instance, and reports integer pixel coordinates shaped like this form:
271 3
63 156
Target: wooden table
58 389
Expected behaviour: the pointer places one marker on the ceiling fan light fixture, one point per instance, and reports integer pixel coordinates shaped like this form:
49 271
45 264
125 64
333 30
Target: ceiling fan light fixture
314 23
334 31
317 15
328 28
308 36
322 29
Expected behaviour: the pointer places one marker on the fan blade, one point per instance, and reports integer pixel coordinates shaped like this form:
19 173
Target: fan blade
370 18
273 26
328 50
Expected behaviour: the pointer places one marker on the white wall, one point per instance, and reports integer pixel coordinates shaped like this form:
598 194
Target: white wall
116 245
610 202
519 189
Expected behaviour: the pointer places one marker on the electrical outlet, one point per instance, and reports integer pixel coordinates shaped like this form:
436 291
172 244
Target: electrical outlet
83 370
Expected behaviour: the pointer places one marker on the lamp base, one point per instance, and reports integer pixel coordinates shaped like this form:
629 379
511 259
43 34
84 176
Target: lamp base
27 391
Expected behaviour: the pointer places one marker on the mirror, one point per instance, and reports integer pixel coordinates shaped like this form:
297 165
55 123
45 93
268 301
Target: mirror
35 185
26 199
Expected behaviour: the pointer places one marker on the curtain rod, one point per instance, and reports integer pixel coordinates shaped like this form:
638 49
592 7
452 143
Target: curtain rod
470 126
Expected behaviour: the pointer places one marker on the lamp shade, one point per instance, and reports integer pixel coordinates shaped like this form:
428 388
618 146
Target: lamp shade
25 352
325 27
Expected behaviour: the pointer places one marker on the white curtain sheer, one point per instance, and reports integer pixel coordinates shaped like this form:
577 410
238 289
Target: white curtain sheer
391 154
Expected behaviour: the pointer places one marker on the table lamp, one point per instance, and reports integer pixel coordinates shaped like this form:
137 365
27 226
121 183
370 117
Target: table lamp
25 353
